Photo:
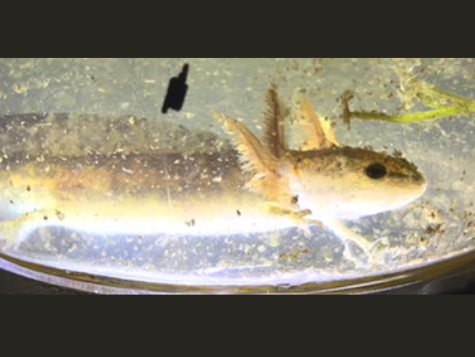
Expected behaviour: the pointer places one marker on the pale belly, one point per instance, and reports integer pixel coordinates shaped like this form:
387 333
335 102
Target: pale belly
221 216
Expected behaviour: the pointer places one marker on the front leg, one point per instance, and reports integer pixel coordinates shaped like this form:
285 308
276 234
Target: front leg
371 250
298 216
341 230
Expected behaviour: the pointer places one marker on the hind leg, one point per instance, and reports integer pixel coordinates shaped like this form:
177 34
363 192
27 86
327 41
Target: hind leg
372 250
16 231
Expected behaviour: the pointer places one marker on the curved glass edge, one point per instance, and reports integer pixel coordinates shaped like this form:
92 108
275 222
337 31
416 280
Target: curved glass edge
405 281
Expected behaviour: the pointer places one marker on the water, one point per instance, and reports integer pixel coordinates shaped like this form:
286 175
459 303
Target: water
80 112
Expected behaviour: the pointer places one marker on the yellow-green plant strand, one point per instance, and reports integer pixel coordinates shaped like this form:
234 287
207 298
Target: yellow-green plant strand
415 117
444 105
448 97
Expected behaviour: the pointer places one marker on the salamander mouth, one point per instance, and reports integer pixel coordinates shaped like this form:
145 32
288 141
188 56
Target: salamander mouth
417 178
420 179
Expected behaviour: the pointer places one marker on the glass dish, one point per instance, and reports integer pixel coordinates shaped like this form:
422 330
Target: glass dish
159 199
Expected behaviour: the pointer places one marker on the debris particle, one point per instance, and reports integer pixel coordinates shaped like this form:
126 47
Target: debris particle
262 249
191 223
61 216
345 100
20 88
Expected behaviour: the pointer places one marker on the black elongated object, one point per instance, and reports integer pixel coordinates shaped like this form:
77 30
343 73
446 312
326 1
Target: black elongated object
177 91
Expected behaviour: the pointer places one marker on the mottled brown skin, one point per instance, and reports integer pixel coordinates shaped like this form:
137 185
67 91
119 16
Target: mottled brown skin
117 176
341 160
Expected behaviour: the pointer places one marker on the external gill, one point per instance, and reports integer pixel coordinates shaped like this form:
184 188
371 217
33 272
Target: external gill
264 159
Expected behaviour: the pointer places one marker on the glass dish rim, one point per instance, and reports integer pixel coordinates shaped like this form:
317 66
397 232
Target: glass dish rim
369 284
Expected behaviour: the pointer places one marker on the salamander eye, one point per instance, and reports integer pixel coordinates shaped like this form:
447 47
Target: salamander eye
376 171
